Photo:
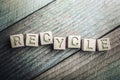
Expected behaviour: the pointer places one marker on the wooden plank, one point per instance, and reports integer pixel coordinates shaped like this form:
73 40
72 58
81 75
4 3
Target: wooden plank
89 66
12 11
63 18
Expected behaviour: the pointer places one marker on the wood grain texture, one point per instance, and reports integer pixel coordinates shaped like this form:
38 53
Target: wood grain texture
87 18
12 11
89 66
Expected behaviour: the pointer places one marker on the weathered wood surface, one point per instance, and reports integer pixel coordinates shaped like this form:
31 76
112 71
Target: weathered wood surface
89 66
88 18
12 11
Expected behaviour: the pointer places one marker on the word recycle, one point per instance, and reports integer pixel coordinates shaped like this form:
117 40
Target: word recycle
60 43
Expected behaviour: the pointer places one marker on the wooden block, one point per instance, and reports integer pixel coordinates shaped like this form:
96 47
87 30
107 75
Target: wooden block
103 44
46 38
59 43
17 40
89 44
74 41
32 40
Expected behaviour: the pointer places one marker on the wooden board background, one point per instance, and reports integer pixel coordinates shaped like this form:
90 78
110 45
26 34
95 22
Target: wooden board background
12 11
88 18
89 66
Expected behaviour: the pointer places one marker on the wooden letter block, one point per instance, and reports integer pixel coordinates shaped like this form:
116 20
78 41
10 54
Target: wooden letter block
89 44
46 38
74 41
32 40
59 43
103 44
17 40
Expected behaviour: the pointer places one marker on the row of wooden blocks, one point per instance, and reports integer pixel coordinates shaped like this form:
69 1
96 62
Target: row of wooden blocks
59 43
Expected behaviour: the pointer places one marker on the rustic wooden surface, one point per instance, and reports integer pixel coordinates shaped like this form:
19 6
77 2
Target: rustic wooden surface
12 11
88 18
89 66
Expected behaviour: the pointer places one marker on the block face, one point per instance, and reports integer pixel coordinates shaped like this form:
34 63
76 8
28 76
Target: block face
89 44
74 41
103 44
46 38
17 40
32 40
59 43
